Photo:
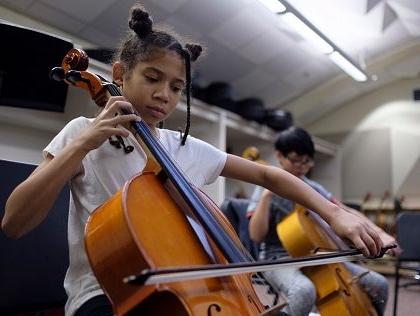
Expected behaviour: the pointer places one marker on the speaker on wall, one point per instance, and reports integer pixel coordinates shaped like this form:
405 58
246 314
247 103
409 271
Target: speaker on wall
416 94
26 59
104 55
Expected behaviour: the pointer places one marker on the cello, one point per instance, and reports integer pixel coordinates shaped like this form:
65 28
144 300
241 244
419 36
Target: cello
303 232
158 219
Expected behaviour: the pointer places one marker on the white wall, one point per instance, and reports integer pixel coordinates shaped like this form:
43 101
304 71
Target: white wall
25 132
328 172
16 18
380 137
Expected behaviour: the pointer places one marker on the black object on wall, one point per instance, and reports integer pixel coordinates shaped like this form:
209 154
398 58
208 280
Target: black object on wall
278 119
26 59
220 94
251 109
32 268
416 94
104 55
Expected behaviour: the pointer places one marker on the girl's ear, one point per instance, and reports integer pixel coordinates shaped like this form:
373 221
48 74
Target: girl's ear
117 73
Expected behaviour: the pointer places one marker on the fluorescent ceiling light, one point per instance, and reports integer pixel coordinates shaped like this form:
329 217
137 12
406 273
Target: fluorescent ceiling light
274 5
307 33
303 27
347 66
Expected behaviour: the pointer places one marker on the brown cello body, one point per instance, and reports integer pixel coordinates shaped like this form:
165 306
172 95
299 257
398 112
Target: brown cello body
142 227
338 292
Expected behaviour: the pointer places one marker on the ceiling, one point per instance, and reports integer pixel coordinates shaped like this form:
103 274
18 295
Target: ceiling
256 52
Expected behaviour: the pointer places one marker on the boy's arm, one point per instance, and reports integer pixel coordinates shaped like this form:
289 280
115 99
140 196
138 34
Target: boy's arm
259 221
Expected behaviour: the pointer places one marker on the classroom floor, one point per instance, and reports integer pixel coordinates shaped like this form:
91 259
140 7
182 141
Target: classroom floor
408 302
408 299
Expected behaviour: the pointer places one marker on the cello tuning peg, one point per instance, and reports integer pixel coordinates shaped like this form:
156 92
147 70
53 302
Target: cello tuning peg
114 142
117 143
57 74
128 149
73 76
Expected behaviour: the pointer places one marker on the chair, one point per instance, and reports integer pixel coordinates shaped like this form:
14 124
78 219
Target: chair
235 210
32 268
408 237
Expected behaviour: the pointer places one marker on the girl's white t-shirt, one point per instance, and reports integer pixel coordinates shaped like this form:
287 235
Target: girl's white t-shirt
102 173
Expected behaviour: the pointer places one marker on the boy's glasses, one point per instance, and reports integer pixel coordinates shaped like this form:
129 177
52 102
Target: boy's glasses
298 162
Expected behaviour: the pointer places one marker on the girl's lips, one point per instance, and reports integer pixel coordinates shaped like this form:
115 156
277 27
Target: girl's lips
156 111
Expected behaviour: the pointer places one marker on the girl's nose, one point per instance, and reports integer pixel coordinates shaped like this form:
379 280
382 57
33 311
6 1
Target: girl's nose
162 93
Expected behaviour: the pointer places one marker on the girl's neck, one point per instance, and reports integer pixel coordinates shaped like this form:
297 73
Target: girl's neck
154 130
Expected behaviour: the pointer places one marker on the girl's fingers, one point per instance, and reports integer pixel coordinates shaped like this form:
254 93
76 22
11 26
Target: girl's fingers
112 100
120 119
378 241
366 240
112 131
119 105
116 107
376 238
370 244
360 245
372 241
103 128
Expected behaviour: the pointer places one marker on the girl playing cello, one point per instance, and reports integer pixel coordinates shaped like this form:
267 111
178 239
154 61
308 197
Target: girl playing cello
152 70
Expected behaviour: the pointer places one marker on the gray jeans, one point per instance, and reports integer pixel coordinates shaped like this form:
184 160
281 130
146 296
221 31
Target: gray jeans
301 293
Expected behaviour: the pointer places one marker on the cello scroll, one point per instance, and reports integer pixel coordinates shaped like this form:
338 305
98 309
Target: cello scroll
73 72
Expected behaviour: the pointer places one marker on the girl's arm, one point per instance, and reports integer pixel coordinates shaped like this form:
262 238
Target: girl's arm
30 202
346 225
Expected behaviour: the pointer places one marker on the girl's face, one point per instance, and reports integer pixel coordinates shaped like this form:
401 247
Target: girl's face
154 86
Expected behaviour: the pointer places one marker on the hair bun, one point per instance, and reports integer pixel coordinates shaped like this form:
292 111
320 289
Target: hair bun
140 21
194 51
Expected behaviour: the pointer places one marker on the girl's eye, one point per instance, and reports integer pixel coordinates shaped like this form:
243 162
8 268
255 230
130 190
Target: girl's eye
151 79
176 89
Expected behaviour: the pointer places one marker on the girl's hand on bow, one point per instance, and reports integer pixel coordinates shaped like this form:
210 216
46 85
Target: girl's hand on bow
387 239
358 231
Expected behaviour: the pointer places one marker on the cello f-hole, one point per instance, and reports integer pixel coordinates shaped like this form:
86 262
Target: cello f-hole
216 307
343 282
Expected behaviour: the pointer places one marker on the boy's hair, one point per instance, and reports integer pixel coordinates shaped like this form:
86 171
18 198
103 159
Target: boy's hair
141 45
295 139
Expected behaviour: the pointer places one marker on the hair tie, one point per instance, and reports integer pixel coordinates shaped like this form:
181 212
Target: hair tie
140 22
194 51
